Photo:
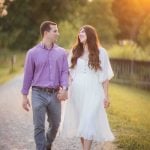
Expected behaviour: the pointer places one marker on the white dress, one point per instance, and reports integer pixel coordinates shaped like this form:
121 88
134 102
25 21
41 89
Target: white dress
85 114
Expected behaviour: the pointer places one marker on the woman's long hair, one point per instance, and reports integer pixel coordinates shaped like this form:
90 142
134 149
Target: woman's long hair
93 48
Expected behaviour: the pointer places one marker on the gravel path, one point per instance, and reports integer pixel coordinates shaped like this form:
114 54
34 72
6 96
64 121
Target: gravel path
16 129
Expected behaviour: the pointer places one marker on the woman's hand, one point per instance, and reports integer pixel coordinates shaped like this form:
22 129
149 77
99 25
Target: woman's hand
106 103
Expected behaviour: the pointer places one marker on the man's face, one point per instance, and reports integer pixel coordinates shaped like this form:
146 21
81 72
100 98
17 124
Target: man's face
53 34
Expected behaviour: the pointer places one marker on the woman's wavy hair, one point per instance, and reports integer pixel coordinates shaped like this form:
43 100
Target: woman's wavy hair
93 48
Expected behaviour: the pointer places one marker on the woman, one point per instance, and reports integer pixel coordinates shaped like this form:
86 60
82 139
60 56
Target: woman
90 72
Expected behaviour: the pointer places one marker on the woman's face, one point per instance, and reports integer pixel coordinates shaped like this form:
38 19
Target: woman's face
82 36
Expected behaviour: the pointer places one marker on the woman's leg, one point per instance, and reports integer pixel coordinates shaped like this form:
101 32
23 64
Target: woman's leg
82 142
87 144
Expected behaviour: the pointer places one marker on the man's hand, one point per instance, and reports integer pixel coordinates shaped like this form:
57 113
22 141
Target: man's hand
62 94
25 103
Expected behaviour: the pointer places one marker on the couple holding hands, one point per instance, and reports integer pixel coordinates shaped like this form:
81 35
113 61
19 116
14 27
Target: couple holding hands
81 78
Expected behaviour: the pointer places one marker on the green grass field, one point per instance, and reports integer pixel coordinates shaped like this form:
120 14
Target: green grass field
129 117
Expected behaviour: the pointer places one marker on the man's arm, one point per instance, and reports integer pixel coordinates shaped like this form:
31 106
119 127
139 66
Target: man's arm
62 95
28 77
65 72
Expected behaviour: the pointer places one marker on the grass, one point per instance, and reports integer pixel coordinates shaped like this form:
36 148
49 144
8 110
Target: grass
129 117
6 71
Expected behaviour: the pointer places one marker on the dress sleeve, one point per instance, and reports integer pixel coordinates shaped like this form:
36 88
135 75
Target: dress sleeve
106 73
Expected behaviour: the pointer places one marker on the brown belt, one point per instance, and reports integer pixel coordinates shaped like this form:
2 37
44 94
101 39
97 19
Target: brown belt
49 90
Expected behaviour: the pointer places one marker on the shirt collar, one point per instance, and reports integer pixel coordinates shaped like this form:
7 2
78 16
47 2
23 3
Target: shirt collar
41 44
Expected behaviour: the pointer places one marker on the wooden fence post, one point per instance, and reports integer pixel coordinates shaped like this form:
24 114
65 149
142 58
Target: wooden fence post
13 61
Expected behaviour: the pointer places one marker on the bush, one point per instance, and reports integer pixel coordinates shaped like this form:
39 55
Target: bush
129 51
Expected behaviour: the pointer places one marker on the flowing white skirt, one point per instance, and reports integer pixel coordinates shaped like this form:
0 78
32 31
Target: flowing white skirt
85 115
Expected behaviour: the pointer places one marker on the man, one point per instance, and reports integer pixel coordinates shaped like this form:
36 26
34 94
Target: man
46 70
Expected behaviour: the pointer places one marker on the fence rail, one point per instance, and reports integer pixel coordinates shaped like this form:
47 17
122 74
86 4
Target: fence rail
131 72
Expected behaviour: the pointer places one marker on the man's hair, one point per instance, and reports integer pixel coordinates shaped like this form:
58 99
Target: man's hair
45 26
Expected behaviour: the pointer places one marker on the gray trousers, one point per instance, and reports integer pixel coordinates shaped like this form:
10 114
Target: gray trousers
45 103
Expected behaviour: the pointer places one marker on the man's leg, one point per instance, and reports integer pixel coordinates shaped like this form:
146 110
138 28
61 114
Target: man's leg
54 118
39 110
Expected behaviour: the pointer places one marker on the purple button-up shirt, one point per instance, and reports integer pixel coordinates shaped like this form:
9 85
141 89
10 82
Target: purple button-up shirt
45 68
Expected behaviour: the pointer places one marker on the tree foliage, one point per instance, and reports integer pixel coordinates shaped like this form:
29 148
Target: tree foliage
130 15
144 34
20 28
99 14
113 19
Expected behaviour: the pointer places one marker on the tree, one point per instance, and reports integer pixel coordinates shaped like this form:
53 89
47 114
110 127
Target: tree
20 28
130 16
144 33
99 14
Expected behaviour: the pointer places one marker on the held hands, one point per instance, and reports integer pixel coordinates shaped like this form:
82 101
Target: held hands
62 94
106 103
25 103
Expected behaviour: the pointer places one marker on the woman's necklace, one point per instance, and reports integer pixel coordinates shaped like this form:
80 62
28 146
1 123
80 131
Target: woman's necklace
85 55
